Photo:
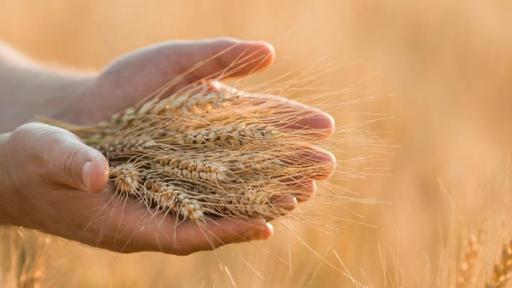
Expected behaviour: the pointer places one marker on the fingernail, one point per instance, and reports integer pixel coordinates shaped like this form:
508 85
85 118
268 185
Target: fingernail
290 204
261 233
286 202
86 175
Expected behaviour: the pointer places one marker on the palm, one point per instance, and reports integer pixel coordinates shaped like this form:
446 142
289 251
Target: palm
126 225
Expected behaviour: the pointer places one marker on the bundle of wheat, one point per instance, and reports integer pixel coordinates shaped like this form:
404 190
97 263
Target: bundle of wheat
207 151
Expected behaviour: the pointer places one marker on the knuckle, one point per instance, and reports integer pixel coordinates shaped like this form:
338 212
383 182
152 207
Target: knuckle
24 142
26 131
42 132
23 128
30 126
49 149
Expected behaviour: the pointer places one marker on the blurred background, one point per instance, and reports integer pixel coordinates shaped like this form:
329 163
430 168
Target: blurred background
440 69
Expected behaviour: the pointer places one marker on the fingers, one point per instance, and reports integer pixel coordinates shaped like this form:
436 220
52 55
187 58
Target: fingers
285 202
194 237
281 205
222 57
311 162
299 116
321 163
180 63
60 156
165 234
305 190
132 228
286 114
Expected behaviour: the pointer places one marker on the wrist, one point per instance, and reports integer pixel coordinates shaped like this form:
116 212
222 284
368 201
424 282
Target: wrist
48 90
68 101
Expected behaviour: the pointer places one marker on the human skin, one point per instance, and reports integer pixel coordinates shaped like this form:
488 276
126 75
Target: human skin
51 181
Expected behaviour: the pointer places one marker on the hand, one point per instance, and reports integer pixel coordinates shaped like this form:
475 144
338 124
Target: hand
59 185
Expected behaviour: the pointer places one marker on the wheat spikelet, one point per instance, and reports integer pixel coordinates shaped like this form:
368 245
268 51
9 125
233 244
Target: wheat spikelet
190 164
174 198
123 147
189 174
258 163
24 258
503 269
126 178
213 95
203 97
231 135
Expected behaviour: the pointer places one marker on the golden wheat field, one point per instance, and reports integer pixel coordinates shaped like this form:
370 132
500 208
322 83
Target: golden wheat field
419 91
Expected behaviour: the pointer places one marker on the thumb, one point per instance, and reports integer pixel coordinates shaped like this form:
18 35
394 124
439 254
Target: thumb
66 159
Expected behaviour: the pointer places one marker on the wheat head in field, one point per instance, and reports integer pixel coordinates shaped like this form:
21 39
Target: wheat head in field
208 150
23 258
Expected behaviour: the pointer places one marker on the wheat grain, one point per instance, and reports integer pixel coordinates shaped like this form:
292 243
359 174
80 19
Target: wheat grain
123 147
